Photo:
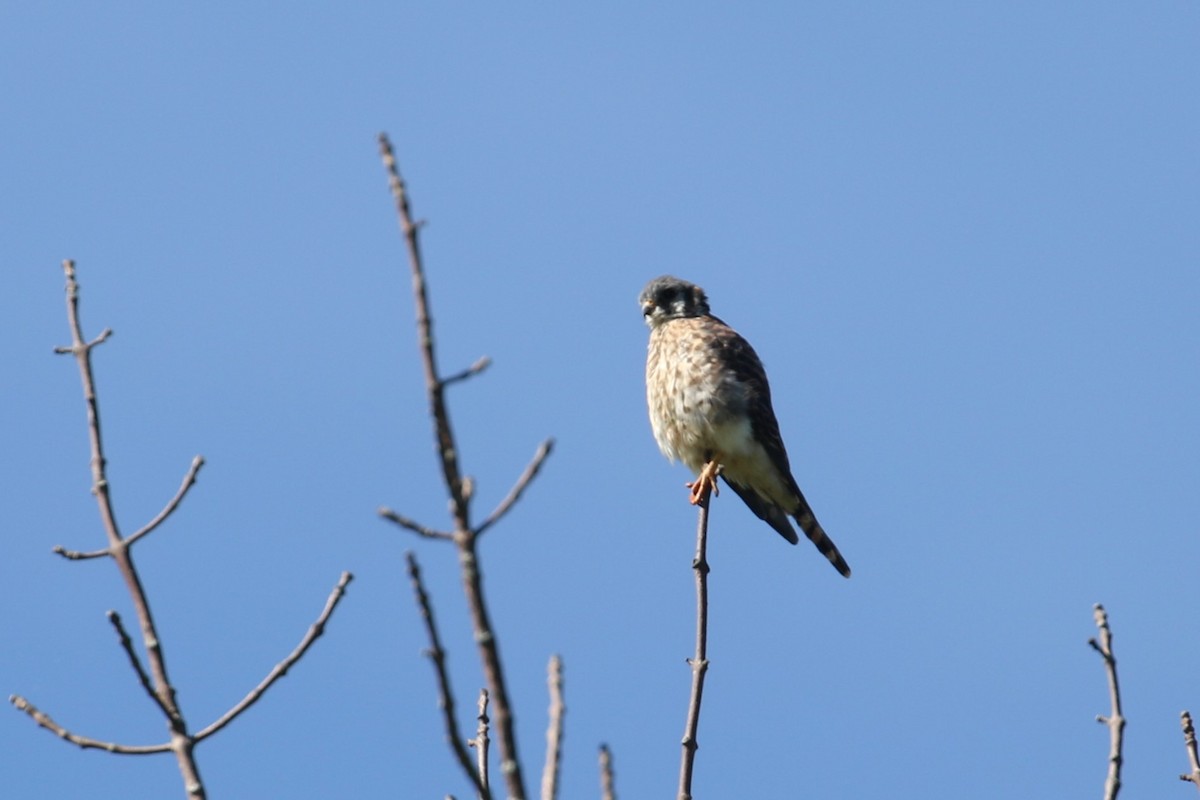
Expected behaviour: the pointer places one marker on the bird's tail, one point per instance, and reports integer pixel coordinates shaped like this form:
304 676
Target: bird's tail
816 534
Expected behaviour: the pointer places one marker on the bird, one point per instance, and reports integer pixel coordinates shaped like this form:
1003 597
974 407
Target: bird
710 407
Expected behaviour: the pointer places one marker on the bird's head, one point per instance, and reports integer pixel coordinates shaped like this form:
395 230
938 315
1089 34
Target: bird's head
669 298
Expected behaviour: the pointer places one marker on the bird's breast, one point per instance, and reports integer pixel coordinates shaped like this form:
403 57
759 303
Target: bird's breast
697 408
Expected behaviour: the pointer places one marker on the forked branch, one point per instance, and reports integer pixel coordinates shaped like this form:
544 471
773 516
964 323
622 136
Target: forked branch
437 656
189 480
460 489
152 672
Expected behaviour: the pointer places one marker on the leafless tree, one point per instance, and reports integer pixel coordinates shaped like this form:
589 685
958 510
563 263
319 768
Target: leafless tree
153 679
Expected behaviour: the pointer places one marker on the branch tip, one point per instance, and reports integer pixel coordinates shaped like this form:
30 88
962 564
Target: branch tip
314 632
415 527
518 489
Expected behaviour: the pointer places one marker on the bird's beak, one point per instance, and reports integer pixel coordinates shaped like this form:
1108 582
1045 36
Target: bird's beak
647 308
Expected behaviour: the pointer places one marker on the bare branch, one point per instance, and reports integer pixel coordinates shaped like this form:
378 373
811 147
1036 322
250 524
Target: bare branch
493 668
1115 721
44 721
479 366
437 655
443 433
135 662
281 669
1189 742
554 730
415 527
460 491
73 349
607 789
188 481
699 661
78 555
519 487
153 673
480 742
182 742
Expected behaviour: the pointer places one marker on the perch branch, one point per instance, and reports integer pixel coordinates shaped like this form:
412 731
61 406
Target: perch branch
554 729
281 669
1115 721
699 662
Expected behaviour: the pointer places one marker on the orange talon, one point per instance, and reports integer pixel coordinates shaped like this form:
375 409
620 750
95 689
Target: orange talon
705 482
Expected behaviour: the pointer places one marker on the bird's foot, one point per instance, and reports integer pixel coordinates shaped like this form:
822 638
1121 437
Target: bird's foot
705 482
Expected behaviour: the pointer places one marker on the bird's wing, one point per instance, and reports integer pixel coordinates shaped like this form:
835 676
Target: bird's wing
756 391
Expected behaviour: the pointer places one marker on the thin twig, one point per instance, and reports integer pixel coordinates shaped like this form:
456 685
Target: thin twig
314 632
479 366
1189 742
437 656
135 662
79 555
607 788
1115 721
43 719
554 729
480 742
699 662
519 487
415 527
188 481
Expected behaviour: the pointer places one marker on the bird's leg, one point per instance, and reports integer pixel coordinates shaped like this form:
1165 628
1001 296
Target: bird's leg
705 482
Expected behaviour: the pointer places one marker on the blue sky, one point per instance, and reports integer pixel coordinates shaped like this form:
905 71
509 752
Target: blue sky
962 238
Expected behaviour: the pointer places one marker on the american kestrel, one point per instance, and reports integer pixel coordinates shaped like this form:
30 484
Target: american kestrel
710 407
